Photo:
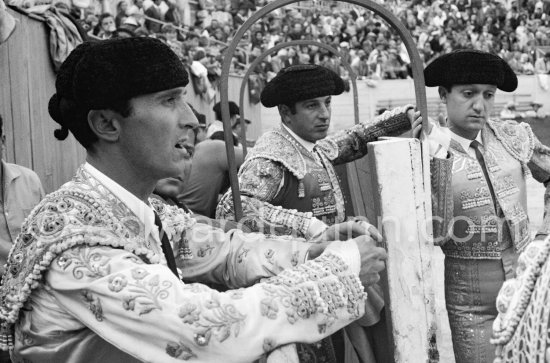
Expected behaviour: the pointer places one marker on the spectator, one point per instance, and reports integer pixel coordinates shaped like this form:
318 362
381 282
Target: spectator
542 64
237 129
509 111
536 111
209 177
217 125
21 191
121 12
154 11
105 27
173 15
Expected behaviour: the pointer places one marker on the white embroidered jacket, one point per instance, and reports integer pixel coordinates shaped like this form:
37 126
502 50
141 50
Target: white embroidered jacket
84 284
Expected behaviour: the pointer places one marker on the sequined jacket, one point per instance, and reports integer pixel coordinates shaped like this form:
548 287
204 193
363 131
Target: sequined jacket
523 303
520 330
474 225
277 151
84 284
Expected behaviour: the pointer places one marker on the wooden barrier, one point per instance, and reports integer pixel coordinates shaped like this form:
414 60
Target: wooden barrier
27 81
403 210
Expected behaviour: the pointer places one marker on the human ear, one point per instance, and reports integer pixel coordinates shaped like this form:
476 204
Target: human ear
105 124
284 111
442 94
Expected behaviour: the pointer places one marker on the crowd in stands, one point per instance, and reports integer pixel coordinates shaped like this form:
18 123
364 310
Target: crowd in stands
200 33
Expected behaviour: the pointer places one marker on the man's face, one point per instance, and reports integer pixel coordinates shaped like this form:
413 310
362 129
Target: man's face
468 107
158 137
311 120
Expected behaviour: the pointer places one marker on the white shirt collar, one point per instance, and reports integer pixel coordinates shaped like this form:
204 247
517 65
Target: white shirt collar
142 211
464 142
307 144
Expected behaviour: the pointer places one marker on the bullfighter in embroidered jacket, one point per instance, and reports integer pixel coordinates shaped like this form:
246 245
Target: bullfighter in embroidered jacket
92 276
481 204
523 304
288 182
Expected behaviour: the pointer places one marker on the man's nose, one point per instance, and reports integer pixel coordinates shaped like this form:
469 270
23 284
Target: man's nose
324 111
478 104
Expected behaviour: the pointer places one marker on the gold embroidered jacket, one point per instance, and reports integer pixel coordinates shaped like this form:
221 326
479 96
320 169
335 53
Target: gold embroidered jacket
476 225
276 152
84 284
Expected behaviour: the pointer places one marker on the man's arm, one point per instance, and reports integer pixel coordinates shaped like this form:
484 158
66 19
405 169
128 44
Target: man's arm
172 320
260 181
540 162
352 143
237 259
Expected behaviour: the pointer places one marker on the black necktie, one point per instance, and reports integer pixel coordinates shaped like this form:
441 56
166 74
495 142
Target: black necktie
166 247
479 156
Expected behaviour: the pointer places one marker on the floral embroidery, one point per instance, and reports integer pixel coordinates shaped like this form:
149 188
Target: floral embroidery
205 250
242 255
269 308
117 282
139 273
189 313
87 262
269 255
179 350
213 319
323 298
174 220
143 294
94 304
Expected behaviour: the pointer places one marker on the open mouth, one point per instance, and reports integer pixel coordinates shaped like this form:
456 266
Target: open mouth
188 150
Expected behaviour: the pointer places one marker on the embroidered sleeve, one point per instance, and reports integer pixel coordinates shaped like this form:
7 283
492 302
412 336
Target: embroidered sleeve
540 161
144 310
352 143
522 305
205 253
442 198
260 181
237 259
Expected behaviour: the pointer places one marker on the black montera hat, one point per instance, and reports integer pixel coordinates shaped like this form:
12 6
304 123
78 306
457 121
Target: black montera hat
301 82
101 74
468 66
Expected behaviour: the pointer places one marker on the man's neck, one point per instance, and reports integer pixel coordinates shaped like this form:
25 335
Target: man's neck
127 177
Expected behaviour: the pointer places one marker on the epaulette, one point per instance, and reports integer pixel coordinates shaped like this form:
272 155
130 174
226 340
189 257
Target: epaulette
281 147
517 138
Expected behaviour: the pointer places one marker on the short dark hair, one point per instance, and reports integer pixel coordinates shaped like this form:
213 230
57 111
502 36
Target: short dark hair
233 109
80 128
